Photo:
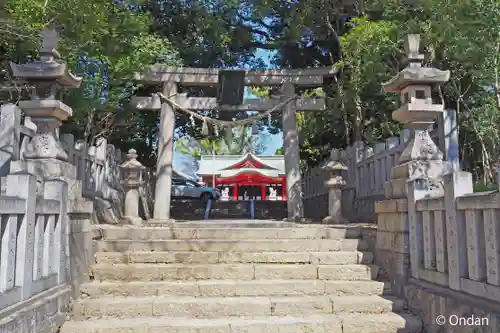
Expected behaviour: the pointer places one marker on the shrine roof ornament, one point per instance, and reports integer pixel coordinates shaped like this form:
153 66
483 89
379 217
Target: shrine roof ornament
414 73
250 157
243 171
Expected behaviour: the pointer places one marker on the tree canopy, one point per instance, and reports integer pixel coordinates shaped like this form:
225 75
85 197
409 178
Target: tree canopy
105 41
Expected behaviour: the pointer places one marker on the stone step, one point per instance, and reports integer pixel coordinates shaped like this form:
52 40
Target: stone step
234 288
111 232
213 307
162 272
338 323
191 257
223 224
216 245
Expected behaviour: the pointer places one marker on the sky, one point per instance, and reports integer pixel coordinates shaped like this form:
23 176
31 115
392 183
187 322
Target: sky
275 141
184 163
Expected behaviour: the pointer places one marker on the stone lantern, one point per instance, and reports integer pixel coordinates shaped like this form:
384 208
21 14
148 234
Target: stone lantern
336 167
132 181
48 77
420 158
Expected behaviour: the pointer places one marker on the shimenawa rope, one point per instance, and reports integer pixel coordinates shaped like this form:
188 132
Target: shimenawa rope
225 123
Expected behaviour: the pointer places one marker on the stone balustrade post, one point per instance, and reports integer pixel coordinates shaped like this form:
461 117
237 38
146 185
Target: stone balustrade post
336 167
132 181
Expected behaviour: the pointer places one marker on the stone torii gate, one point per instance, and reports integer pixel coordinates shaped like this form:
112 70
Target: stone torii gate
171 78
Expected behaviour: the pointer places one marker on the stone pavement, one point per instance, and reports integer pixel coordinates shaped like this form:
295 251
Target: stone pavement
235 277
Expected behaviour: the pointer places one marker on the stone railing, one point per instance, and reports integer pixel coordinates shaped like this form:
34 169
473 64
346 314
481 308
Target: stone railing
36 217
148 192
368 169
34 246
98 166
455 241
315 192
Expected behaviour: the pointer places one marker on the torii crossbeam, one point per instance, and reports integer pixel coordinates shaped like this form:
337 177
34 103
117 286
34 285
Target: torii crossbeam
170 78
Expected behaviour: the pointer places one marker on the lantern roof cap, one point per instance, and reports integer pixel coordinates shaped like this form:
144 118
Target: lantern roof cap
415 73
132 162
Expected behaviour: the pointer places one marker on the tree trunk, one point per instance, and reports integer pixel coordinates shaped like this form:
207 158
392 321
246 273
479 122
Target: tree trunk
88 127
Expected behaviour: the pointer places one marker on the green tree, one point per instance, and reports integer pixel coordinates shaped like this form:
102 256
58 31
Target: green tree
241 143
117 36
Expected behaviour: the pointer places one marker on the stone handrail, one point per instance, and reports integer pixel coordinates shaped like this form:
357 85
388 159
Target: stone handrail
368 169
38 223
32 224
457 240
98 166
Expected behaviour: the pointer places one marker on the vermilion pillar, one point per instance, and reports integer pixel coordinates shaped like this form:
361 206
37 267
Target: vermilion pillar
283 191
263 192
235 192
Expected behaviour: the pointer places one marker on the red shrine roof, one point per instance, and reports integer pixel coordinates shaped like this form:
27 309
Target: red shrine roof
233 165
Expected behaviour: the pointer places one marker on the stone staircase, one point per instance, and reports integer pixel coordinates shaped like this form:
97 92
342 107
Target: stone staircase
235 277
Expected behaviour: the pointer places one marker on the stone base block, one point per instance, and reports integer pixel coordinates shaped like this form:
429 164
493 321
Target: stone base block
45 168
133 220
160 272
128 232
394 268
420 169
335 220
462 313
44 312
230 288
159 222
249 245
344 323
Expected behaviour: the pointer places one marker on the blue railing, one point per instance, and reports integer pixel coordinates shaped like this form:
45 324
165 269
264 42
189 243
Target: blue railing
252 209
207 209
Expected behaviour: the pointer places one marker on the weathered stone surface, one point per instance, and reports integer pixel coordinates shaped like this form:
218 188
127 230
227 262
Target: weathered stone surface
392 241
261 288
213 307
43 312
346 272
283 306
340 258
366 304
232 278
391 206
286 271
233 288
429 302
354 288
317 324
392 222
267 245
381 323
140 288
265 257
156 272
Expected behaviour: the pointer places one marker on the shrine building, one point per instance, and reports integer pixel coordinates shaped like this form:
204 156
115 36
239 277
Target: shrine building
244 177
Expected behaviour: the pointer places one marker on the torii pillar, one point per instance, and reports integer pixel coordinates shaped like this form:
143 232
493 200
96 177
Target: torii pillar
165 157
292 159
